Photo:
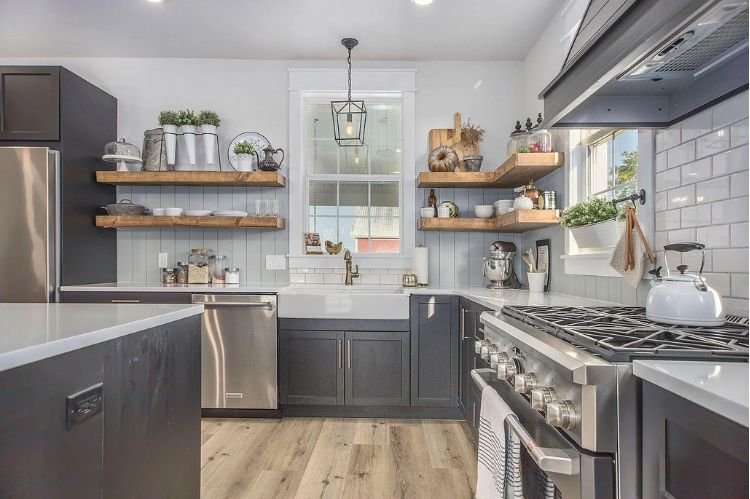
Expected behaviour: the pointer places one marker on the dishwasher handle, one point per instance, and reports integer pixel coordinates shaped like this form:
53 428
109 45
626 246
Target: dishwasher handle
264 304
251 301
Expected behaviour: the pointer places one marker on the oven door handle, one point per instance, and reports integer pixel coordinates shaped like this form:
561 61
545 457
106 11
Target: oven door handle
548 459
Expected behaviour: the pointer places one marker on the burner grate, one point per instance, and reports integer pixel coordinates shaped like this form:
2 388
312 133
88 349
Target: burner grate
621 334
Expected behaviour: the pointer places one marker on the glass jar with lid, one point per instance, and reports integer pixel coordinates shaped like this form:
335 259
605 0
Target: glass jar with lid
218 270
540 139
168 275
198 266
122 153
519 140
232 275
182 272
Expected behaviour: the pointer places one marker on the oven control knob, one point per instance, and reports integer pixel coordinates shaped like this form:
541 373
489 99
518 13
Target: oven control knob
540 397
506 370
524 383
497 358
562 414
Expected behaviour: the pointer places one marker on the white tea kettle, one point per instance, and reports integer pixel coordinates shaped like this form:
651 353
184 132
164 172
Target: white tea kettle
683 299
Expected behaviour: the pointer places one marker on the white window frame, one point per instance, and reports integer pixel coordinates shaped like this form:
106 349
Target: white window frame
596 262
304 83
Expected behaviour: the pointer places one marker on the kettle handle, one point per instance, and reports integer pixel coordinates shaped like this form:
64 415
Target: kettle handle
683 247
282 155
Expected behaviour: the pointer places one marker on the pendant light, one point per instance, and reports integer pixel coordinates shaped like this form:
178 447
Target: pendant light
349 116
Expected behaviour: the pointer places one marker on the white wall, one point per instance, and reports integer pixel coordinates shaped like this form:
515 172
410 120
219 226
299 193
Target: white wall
252 96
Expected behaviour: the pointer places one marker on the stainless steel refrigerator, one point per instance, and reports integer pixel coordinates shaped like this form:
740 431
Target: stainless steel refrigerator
29 224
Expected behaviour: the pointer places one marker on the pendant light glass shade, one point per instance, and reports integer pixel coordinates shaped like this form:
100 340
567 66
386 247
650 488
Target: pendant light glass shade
349 116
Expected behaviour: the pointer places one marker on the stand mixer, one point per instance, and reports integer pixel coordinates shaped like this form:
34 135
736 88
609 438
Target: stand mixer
498 267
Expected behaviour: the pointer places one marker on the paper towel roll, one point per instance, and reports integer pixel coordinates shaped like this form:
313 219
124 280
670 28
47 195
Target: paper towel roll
420 264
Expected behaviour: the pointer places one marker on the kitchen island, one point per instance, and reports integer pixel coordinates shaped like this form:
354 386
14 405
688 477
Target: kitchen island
100 400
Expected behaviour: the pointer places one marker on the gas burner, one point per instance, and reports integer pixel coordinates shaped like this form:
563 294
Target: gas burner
621 334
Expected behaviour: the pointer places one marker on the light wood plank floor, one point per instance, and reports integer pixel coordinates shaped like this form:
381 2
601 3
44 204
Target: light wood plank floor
336 458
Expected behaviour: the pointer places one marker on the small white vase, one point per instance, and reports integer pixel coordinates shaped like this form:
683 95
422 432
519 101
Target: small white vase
188 132
245 162
209 142
170 141
598 235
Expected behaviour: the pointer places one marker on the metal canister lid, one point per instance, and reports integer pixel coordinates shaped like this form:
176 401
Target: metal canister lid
182 264
231 269
169 269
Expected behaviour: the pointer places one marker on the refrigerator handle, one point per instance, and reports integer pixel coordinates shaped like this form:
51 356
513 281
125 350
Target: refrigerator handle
54 267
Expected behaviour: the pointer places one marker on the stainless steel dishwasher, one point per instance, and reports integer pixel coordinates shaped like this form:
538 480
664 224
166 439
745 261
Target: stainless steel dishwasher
238 351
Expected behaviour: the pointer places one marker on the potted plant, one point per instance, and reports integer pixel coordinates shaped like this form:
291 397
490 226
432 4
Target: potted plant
188 124
208 121
245 152
471 135
592 223
169 121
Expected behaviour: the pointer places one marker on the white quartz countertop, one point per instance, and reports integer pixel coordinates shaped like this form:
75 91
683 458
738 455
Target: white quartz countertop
721 387
157 287
497 298
30 332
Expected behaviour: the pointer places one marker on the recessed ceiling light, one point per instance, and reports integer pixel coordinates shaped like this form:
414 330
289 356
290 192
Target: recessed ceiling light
422 2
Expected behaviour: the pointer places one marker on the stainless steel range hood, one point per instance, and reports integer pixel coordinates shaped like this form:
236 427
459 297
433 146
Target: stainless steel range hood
650 63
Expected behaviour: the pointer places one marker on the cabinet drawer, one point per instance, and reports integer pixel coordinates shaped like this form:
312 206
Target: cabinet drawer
124 297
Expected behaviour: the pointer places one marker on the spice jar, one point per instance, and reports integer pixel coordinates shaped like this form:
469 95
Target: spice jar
519 140
198 266
232 275
182 272
168 275
540 139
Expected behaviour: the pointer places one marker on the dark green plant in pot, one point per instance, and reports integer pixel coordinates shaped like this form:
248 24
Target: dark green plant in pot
169 118
588 212
188 117
209 118
243 147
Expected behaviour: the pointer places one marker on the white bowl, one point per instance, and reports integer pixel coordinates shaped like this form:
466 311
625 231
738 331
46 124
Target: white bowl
502 206
428 212
484 210
173 212
159 212
198 213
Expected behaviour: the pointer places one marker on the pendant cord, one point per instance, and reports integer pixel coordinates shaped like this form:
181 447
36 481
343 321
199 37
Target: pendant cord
349 74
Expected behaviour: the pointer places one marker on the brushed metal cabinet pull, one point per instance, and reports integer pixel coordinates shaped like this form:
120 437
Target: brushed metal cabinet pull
463 323
338 353
348 354
125 301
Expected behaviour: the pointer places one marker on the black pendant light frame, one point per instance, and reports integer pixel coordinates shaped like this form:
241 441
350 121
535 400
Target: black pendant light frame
349 110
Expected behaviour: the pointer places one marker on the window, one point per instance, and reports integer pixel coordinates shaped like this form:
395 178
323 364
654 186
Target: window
353 194
612 165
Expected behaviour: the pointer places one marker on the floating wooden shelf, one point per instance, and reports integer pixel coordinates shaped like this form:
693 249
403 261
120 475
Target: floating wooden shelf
515 221
517 170
229 179
112 222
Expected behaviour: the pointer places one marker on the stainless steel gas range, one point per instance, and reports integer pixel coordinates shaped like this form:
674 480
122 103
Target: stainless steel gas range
567 374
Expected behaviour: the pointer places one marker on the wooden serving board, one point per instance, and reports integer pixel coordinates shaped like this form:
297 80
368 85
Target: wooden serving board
450 137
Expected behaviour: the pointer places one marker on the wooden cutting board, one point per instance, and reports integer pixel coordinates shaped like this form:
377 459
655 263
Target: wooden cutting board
450 137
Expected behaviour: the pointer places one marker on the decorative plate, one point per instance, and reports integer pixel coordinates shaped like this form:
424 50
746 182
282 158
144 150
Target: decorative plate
257 140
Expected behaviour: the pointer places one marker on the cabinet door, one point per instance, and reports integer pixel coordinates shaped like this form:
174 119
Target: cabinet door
434 351
29 103
689 451
311 367
377 368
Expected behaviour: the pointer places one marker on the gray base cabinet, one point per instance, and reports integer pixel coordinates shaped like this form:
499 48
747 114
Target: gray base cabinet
357 368
689 451
434 350
469 328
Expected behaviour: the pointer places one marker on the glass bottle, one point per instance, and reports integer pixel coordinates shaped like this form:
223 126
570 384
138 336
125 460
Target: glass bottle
198 266
432 201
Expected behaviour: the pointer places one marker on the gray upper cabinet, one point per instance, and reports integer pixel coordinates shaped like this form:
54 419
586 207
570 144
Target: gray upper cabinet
311 367
377 368
434 350
29 103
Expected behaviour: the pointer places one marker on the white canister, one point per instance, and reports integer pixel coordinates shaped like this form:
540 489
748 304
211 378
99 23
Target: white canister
523 203
444 212
188 133
244 162
209 142
536 281
231 275
170 139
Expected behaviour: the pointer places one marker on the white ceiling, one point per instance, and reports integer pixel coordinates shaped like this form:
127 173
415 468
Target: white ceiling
458 30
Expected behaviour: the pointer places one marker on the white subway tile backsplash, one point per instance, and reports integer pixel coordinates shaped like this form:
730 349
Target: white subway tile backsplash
681 154
694 216
720 282
739 184
369 279
739 286
314 278
660 201
714 142
730 211
731 161
714 236
735 306
697 125
712 190
739 235
295 278
693 260
696 171
730 260
666 220
661 161
390 279
680 236
683 196
739 133
730 110
661 239
668 179
332 278
667 138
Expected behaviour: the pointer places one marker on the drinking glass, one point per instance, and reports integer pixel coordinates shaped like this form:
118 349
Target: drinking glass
275 207
258 208
267 207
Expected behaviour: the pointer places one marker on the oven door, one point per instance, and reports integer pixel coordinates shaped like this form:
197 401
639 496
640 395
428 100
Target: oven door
575 472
